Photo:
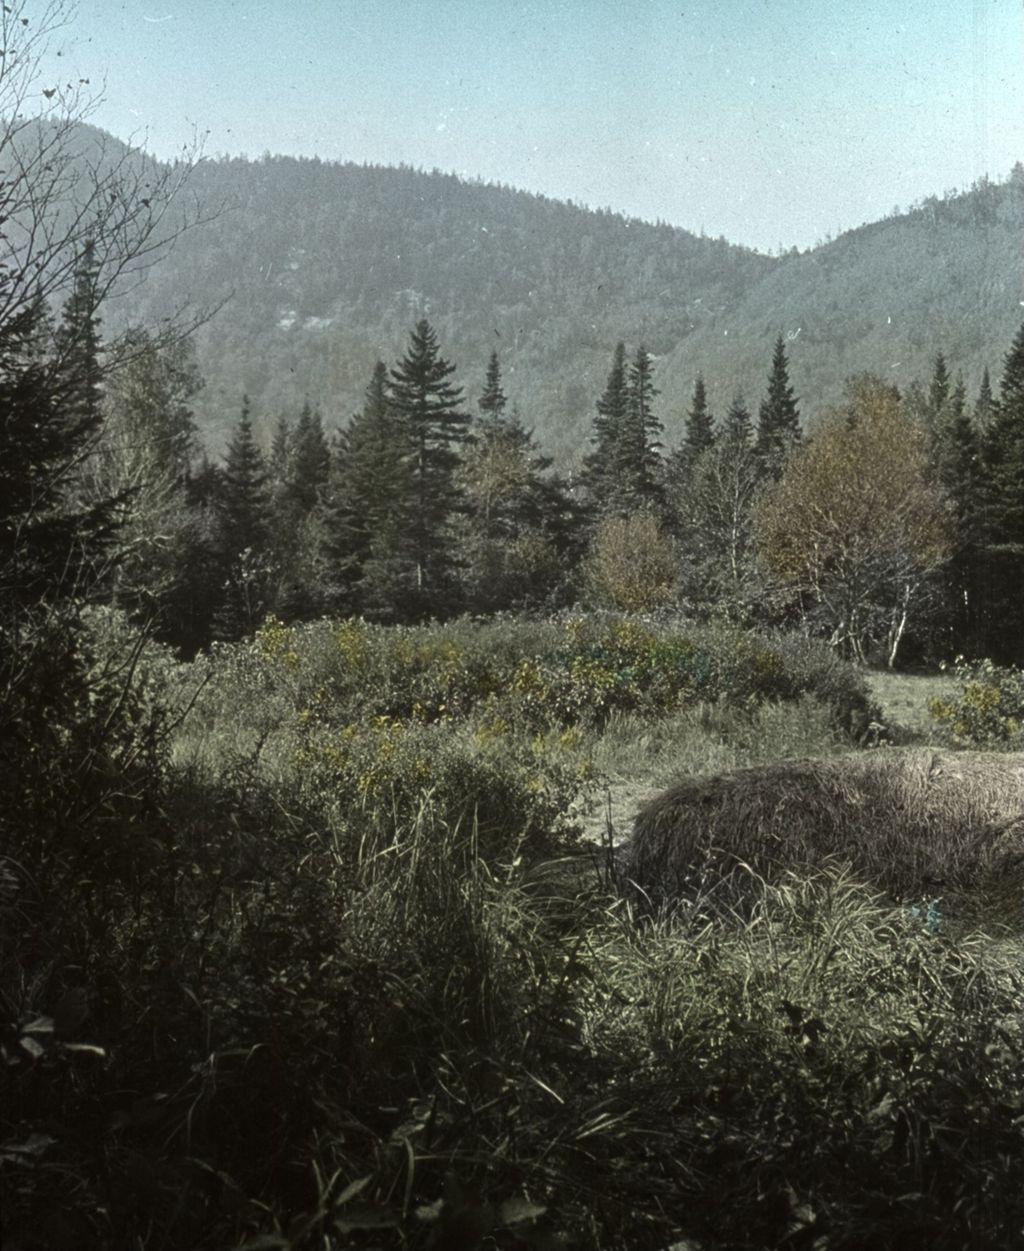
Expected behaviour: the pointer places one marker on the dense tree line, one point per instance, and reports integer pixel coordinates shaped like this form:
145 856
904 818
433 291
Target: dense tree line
894 526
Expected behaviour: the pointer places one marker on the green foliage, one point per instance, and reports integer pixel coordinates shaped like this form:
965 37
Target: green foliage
988 709
826 1060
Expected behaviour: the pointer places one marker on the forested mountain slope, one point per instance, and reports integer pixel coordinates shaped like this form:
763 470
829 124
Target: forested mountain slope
323 267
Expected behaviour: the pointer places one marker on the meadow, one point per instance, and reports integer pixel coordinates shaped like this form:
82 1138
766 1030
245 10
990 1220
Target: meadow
374 981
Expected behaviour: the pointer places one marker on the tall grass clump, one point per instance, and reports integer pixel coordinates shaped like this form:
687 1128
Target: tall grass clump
828 1070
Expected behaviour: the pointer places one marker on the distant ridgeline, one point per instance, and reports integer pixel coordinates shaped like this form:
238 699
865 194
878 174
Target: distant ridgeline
326 267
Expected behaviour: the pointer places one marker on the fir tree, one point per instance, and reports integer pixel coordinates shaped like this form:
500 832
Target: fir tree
243 508
938 390
1001 510
492 401
957 456
279 464
737 426
363 554
51 543
78 371
984 404
699 434
639 455
434 426
310 461
244 496
600 467
778 425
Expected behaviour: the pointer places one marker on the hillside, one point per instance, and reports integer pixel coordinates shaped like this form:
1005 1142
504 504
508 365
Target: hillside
323 267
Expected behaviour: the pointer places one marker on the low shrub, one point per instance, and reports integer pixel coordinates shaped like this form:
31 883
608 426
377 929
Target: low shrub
988 710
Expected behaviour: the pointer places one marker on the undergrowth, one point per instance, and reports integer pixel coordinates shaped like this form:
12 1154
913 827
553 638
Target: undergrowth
324 997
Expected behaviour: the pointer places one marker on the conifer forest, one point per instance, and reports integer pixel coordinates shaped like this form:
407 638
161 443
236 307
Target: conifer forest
569 796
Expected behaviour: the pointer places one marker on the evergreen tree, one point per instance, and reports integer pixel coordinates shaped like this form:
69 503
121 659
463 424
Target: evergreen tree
939 390
600 468
639 458
492 401
699 435
310 461
434 427
280 461
244 496
1001 511
622 474
363 554
738 427
51 541
984 404
778 425
957 452
511 533
243 508
77 344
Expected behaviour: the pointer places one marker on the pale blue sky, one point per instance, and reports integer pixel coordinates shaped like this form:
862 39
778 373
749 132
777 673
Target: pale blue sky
767 121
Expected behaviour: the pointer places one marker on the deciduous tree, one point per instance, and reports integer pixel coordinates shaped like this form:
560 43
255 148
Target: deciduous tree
855 526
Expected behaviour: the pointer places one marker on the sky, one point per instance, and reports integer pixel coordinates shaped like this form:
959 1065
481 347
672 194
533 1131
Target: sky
774 123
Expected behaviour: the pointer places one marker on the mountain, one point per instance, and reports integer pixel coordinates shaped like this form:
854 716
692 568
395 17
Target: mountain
321 268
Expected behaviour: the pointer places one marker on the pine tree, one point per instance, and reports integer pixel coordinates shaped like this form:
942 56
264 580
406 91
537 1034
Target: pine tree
778 425
434 426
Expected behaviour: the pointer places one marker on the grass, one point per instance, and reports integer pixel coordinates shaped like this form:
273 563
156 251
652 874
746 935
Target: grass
359 987
904 699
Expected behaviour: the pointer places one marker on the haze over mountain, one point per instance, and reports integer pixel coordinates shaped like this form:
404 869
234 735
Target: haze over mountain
322 268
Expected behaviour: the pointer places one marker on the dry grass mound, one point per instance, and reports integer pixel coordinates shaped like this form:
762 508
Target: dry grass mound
913 822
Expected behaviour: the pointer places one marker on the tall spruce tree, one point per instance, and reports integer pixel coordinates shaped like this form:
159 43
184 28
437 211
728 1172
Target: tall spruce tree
310 461
699 434
492 401
778 424
984 404
600 467
428 406
362 528
939 389
77 344
737 425
957 455
1001 511
639 458
244 512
